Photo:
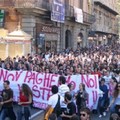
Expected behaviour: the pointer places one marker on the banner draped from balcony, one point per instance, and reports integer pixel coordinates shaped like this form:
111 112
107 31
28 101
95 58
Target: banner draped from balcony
58 11
78 13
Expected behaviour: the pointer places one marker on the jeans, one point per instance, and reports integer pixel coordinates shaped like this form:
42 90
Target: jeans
7 112
101 105
23 111
78 110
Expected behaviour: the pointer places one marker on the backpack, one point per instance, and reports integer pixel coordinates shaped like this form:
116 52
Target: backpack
57 109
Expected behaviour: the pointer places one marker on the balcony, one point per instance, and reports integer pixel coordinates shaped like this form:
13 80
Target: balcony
88 18
69 14
69 11
26 4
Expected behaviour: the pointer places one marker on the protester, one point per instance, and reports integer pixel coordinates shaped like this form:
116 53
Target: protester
103 60
114 116
7 102
74 117
63 88
112 85
53 116
68 62
72 92
54 103
81 97
71 108
115 103
25 101
103 99
85 114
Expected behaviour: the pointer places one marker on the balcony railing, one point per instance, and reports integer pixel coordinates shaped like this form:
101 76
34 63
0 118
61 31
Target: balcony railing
88 18
44 4
69 11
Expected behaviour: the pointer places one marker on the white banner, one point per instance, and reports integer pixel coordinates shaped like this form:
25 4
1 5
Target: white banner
78 13
41 83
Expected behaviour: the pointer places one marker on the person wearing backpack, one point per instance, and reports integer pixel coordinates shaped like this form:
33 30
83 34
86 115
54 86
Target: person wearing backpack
54 103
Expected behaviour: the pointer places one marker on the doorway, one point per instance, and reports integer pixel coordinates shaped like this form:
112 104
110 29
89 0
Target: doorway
68 39
80 40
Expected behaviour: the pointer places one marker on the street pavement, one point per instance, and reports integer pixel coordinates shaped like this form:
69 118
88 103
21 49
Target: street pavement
93 117
35 112
38 114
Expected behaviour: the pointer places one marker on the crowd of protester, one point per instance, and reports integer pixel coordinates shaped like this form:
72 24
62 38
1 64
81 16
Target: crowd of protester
68 62
103 60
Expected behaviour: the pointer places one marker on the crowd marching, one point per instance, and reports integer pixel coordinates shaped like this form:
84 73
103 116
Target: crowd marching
103 60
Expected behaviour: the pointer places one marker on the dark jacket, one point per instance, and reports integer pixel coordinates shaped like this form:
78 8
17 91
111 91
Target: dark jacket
81 98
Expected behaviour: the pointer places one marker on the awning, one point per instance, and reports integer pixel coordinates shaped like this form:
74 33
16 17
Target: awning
91 34
18 35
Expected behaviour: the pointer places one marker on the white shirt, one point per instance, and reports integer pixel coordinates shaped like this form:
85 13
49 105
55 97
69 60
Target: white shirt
54 99
107 79
62 90
47 56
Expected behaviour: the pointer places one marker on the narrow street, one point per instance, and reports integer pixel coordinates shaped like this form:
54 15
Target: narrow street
94 117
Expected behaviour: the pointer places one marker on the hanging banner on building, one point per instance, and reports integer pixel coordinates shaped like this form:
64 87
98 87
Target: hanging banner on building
2 15
58 11
41 83
78 14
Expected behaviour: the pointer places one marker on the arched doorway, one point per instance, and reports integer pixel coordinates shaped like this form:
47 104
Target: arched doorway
68 39
80 40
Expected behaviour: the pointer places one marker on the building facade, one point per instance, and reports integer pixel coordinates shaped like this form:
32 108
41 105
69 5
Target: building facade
35 19
82 19
105 27
118 5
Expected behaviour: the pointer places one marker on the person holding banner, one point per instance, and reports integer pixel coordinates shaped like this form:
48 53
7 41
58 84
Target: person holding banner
25 100
7 102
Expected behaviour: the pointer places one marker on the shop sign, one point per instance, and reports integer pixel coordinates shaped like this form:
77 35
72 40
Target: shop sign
48 29
2 14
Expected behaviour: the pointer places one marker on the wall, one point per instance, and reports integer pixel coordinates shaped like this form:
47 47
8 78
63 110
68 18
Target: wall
105 21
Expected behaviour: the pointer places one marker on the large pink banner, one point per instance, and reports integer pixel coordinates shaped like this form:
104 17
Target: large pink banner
41 83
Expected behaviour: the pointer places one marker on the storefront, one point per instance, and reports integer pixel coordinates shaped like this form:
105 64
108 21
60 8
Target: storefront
16 43
47 37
